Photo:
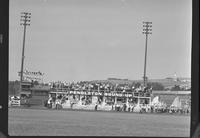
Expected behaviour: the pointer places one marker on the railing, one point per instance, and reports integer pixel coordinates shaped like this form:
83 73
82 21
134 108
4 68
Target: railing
103 93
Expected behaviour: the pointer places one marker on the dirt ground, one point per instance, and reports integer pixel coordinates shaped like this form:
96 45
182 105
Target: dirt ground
40 122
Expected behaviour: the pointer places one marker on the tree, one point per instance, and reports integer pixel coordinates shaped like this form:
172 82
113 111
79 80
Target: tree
156 86
137 85
36 83
176 88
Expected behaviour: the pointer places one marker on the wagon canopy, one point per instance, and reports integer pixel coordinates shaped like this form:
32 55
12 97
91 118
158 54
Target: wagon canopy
176 103
155 101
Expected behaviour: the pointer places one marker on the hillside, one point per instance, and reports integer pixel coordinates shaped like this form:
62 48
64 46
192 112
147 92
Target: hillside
167 83
170 82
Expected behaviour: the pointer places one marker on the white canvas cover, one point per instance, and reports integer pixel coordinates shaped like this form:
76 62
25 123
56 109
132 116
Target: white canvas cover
94 99
66 104
155 101
158 104
176 103
137 108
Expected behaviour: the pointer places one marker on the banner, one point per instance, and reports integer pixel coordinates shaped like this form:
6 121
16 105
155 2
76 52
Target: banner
26 72
31 78
100 94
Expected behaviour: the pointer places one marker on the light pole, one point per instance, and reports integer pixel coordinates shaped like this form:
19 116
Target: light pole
25 20
147 30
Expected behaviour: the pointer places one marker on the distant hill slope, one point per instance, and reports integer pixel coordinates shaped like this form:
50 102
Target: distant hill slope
165 82
170 82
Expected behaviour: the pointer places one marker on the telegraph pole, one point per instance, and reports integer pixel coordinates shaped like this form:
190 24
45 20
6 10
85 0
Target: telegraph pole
147 30
25 20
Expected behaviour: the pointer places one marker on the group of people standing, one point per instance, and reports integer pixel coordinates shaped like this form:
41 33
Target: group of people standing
123 107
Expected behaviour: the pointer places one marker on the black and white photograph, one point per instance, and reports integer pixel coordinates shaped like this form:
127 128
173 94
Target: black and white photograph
100 68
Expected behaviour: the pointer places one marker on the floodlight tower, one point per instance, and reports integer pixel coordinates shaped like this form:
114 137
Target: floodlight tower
147 30
25 20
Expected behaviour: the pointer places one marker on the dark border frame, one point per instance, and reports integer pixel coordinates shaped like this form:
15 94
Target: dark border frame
195 69
4 58
4 26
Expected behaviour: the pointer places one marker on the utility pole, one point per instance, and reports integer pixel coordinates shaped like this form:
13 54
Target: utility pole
25 20
147 30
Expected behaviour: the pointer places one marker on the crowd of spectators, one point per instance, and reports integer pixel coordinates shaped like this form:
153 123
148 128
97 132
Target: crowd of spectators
118 107
99 86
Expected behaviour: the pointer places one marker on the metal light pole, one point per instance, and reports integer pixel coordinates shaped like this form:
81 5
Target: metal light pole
147 30
25 19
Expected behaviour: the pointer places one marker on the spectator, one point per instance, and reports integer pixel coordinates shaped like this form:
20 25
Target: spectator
96 105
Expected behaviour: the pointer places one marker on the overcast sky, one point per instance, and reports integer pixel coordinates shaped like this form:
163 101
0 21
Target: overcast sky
97 39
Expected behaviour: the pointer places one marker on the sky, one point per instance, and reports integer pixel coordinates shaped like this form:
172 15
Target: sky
74 40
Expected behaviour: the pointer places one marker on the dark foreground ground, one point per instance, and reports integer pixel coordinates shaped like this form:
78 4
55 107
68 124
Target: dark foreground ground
38 122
